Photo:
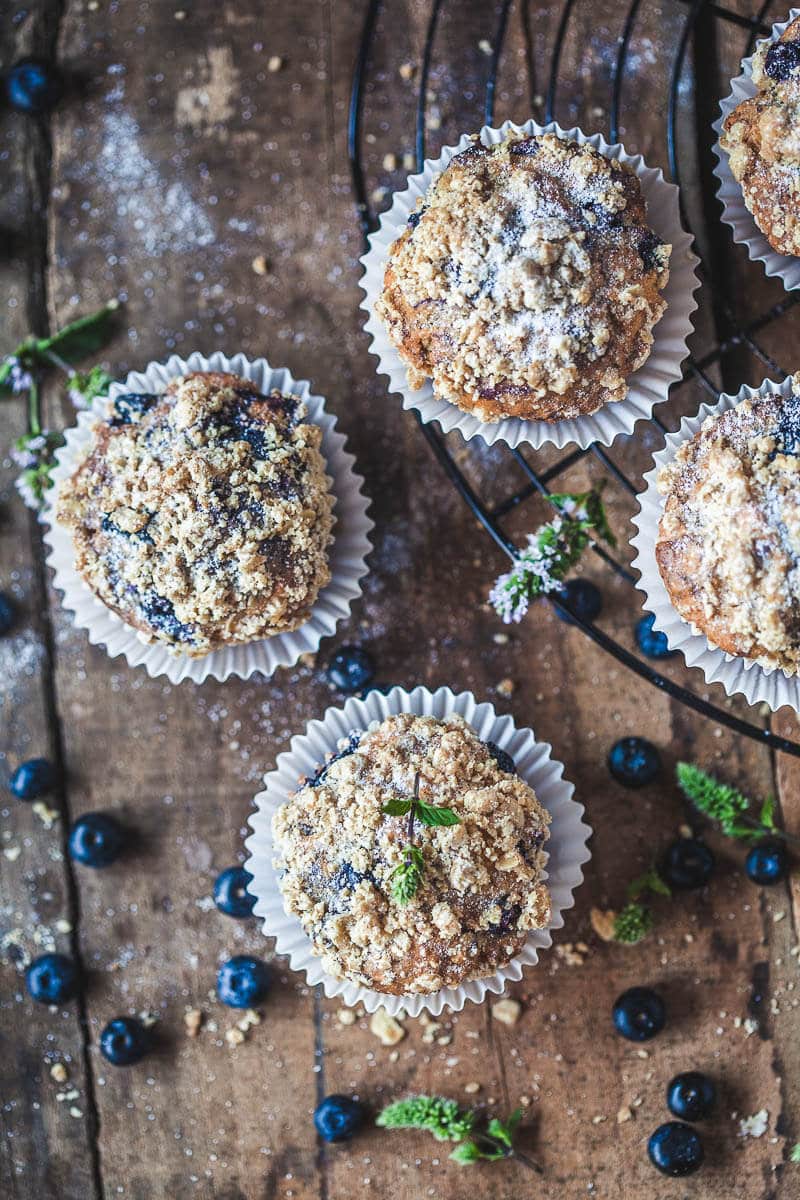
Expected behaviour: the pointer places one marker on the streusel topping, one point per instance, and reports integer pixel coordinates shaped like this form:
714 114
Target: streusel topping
202 516
729 538
482 889
527 282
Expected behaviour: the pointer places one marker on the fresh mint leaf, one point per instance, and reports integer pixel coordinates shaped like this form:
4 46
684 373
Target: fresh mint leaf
431 814
82 337
397 808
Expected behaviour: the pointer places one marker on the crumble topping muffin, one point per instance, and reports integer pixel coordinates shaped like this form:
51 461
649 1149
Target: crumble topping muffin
481 890
527 281
762 139
202 516
729 537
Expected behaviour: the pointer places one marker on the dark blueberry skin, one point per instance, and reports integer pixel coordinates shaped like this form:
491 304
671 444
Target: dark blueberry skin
767 863
7 614
639 1014
96 840
782 60
350 669
688 863
675 1149
691 1096
34 85
32 779
130 406
337 1118
124 1041
583 598
318 777
52 979
231 895
650 641
504 760
634 762
243 981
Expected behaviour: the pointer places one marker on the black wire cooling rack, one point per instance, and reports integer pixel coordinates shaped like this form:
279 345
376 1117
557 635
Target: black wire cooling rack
699 18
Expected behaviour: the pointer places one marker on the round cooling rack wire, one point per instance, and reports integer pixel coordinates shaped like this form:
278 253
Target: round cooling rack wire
698 18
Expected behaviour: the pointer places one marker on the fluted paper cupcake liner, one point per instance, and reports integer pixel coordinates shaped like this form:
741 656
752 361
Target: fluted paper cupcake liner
567 846
734 210
347 554
646 387
738 676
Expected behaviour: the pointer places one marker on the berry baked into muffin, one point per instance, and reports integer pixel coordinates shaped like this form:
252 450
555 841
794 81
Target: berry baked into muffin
762 139
414 858
527 281
729 538
202 516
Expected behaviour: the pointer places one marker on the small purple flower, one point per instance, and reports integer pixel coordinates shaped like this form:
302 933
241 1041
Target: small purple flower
19 379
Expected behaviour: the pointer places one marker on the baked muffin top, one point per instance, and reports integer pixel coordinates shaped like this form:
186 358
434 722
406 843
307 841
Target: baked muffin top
729 538
481 888
202 516
527 281
762 138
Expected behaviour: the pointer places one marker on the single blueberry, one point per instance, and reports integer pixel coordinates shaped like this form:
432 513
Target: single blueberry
131 406
243 981
416 216
675 1149
688 863
649 242
503 759
691 1095
634 762
124 1041
337 1118
350 669
34 85
159 612
639 1014
767 863
52 979
96 840
230 892
650 641
582 597
32 779
783 59
8 613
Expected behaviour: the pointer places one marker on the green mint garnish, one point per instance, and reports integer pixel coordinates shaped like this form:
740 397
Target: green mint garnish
449 1123
632 924
406 878
726 805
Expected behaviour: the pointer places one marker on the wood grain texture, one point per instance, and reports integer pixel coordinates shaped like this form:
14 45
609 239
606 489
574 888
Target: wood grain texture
181 159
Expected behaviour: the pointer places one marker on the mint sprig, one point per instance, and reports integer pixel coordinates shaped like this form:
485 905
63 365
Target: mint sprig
406 878
447 1122
728 807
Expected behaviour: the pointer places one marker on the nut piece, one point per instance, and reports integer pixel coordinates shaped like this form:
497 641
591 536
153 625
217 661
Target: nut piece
386 1028
58 1072
274 63
260 265
507 1011
192 1020
602 922
346 1016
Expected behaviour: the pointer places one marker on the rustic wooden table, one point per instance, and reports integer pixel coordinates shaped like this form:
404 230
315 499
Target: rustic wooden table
180 158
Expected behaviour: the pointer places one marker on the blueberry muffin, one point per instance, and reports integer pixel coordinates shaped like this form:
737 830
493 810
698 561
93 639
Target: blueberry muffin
480 889
729 538
762 139
202 516
527 282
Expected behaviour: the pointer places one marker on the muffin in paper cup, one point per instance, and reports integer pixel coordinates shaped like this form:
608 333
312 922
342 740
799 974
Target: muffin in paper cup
567 847
735 212
647 386
738 675
347 553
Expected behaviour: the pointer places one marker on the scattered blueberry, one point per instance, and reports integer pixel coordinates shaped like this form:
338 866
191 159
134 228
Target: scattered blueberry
691 1096
503 759
7 613
650 641
583 598
634 762
675 1149
96 840
52 979
639 1014
337 1118
243 981
688 863
230 892
124 1041
350 669
767 863
32 779
34 85
782 60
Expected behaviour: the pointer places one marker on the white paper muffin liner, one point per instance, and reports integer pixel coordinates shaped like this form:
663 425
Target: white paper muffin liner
734 210
567 846
347 554
647 387
739 676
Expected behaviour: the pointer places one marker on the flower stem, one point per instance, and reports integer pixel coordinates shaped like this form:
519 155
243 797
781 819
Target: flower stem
34 407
